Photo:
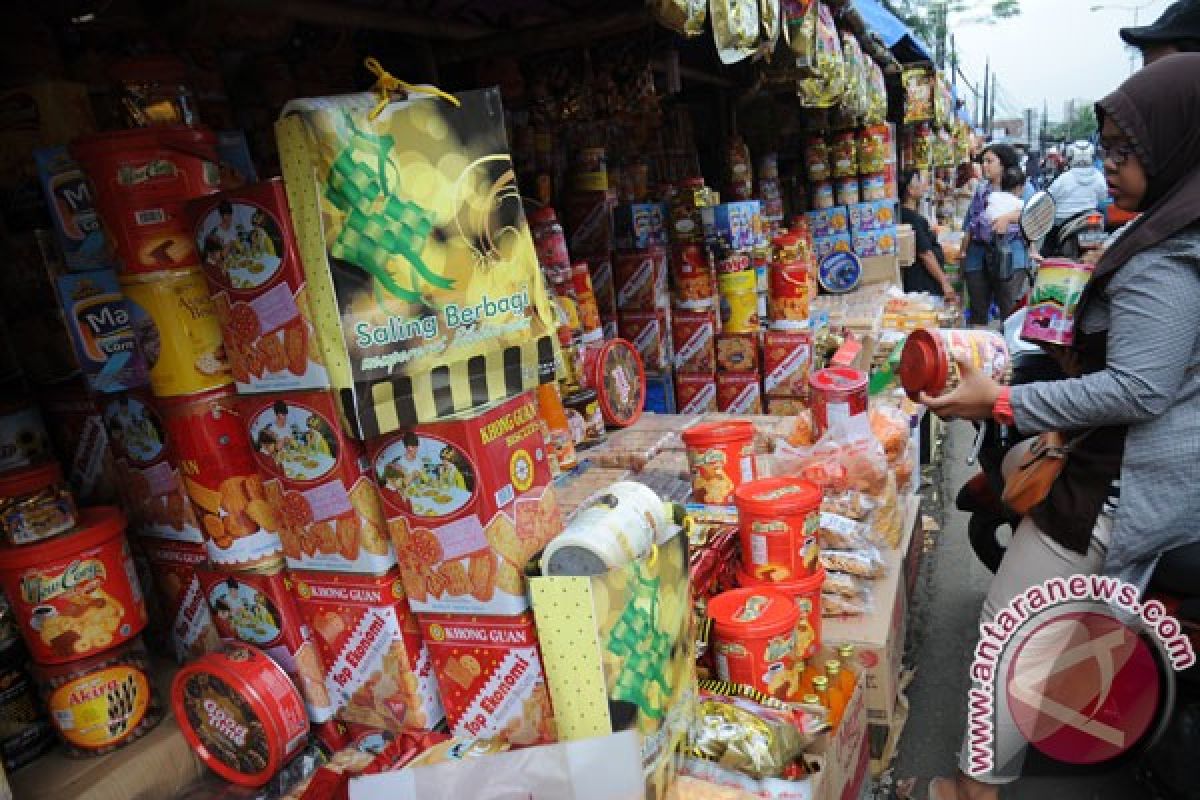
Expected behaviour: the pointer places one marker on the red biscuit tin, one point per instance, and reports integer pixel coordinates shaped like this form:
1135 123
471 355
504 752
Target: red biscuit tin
641 276
779 519
468 503
240 712
721 458
754 638
260 610
377 670
807 594
648 332
248 253
693 335
146 468
787 360
331 518
490 676
739 393
190 626
77 594
237 509
737 352
695 394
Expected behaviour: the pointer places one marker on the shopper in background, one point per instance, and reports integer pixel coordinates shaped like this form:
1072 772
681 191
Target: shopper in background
1081 188
983 285
1126 494
927 275
1177 30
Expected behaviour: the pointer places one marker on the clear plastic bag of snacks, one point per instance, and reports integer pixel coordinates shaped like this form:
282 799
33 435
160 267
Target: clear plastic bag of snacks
843 584
836 605
865 562
847 457
836 532
682 16
857 506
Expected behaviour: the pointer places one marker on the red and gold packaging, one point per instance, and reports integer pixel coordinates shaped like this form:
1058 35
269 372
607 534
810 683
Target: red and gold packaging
778 406
695 394
468 503
237 508
377 670
190 625
147 471
737 352
248 252
693 334
260 609
648 332
739 393
640 278
694 286
787 361
490 675
331 518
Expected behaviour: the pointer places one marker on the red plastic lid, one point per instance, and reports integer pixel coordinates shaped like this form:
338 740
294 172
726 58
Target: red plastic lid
620 383
26 481
924 364
96 525
808 585
838 379
778 496
754 611
708 433
543 214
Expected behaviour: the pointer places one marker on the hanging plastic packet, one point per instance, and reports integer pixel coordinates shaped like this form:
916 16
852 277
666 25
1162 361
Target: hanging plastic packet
771 18
682 16
919 93
827 88
735 27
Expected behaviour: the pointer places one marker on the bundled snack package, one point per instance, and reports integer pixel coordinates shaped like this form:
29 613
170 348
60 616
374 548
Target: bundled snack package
848 456
919 93
828 86
682 16
422 278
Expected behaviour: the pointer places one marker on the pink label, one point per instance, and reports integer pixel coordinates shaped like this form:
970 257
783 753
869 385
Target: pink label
161 479
328 500
462 537
275 308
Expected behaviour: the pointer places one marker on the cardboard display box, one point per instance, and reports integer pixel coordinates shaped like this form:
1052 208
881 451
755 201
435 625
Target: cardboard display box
878 637
845 750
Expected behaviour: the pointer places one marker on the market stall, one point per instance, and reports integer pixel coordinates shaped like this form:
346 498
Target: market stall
539 419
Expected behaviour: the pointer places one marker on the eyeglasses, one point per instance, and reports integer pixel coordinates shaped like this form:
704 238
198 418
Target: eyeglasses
1116 152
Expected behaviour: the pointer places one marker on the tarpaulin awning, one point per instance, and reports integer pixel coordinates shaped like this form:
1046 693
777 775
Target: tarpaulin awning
895 34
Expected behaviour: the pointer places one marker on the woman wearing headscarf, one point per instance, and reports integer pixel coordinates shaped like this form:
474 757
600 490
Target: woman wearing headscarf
985 285
1127 493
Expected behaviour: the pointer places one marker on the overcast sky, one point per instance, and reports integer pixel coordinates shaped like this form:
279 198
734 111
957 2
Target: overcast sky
1056 50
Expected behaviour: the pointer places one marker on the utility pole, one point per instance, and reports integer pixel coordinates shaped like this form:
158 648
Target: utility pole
987 82
992 107
1029 127
1045 124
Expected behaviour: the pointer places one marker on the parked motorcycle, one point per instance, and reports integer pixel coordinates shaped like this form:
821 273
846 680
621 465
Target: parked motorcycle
1076 236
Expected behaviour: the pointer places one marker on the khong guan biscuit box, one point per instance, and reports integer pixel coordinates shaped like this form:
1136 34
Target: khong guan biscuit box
423 282
248 253
490 676
377 670
468 503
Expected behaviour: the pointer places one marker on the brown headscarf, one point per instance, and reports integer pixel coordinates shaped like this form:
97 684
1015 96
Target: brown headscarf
1158 108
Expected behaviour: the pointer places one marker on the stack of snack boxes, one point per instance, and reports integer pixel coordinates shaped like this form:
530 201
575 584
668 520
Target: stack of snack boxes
355 650
640 279
734 235
468 503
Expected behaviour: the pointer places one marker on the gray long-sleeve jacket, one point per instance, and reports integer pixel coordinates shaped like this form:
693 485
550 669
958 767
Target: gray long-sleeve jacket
1151 311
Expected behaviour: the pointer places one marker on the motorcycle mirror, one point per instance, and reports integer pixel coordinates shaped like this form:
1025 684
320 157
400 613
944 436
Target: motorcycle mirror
1037 218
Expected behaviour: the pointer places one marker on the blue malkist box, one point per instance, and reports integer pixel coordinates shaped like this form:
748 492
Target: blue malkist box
737 226
71 200
660 393
637 226
824 245
829 222
875 215
101 328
